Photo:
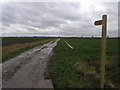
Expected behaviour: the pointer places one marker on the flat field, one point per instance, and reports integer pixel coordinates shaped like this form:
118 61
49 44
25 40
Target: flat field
13 46
7 41
80 67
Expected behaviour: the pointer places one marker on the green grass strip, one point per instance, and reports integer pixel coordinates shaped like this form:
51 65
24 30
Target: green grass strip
15 53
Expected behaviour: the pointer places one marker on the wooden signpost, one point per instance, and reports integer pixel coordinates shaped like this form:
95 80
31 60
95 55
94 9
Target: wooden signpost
102 22
99 22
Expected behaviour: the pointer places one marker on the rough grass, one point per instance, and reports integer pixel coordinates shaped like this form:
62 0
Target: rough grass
79 67
8 49
14 50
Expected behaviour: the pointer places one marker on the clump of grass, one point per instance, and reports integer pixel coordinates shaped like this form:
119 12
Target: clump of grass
8 75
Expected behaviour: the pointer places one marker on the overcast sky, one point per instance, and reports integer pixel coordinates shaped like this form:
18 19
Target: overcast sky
57 18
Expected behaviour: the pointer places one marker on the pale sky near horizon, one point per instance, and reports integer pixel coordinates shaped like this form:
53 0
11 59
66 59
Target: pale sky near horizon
57 18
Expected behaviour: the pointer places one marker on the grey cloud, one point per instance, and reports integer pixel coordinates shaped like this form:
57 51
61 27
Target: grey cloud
35 18
15 13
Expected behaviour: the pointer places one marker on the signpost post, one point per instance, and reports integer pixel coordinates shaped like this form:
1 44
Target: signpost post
102 22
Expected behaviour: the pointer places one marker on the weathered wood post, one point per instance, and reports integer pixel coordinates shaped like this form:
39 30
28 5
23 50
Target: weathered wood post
102 22
103 50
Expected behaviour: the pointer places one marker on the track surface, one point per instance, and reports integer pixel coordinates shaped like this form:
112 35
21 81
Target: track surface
27 70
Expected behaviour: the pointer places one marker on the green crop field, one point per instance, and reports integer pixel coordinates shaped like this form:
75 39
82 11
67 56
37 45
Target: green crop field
79 67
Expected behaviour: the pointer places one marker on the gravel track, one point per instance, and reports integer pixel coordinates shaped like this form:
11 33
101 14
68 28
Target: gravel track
27 69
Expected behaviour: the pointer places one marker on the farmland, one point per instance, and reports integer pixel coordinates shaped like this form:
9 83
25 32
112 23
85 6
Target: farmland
79 67
7 41
13 46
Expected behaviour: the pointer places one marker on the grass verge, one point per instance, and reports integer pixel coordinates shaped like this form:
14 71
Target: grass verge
19 50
